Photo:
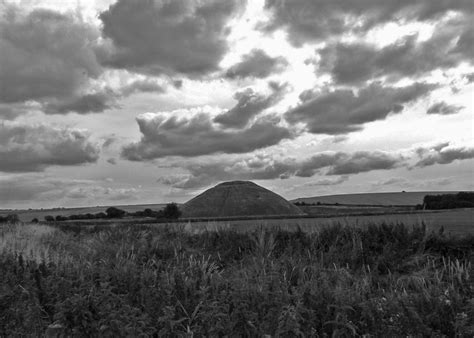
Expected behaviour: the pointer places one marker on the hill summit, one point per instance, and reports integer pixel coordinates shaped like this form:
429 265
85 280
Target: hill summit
238 198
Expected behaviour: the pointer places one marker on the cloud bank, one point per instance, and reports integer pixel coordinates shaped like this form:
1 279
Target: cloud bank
167 36
173 135
342 111
33 148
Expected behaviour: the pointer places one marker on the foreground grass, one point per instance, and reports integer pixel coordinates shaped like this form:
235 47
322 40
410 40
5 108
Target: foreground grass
383 280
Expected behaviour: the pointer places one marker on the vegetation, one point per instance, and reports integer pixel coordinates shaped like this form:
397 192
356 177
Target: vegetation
171 211
449 201
10 218
383 280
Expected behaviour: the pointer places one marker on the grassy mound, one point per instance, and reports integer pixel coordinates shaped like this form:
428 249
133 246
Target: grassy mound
238 198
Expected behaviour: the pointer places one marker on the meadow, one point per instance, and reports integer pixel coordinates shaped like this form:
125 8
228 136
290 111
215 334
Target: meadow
456 221
174 280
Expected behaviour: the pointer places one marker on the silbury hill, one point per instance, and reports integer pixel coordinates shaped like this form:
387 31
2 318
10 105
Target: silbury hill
238 198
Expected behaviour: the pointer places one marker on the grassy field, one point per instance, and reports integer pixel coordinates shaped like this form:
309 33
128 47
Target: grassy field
386 198
322 210
456 221
125 280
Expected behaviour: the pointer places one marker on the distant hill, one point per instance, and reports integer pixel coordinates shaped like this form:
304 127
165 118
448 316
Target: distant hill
383 198
238 198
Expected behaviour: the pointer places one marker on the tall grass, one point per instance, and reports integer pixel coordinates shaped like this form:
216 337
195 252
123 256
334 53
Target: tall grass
386 279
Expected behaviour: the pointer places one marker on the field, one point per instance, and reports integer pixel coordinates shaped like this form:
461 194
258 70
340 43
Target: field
459 221
169 280
456 221
386 198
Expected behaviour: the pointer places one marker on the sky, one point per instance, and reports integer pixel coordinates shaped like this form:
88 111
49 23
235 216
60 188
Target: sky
114 102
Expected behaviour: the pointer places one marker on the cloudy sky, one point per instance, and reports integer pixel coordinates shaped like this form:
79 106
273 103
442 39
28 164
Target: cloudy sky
132 101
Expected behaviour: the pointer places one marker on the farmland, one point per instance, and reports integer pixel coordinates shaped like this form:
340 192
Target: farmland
384 198
460 221
146 280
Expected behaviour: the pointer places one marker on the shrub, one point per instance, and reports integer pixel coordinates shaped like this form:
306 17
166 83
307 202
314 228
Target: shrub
114 212
171 211
449 201
10 218
49 218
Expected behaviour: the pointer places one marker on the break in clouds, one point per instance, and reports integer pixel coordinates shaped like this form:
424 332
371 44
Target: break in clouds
228 90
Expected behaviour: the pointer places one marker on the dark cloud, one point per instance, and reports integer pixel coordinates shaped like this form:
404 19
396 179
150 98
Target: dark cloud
250 104
442 108
257 64
178 84
88 103
197 135
266 168
167 36
33 148
443 153
356 62
342 111
364 161
45 55
316 20
340 163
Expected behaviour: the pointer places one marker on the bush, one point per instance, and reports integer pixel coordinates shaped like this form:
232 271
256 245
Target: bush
114 212
49 218
449 201
10 218
171 211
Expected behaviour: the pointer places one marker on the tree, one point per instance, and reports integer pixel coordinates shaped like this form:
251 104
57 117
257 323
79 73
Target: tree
114 212
171 211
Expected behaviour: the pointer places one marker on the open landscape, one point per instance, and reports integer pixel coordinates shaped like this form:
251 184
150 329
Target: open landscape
347 271
236 168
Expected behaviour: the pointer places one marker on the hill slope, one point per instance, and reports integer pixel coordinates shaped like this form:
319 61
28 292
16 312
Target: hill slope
238 198
385 198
